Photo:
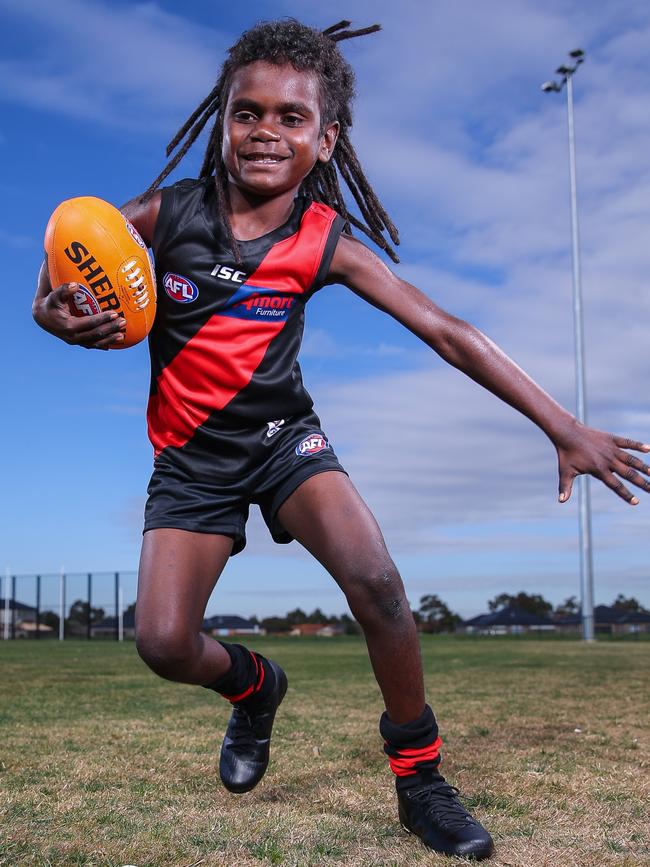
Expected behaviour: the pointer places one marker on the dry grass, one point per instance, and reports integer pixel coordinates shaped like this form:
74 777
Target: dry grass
103 764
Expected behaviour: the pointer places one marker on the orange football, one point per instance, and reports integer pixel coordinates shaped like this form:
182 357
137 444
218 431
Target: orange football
89 242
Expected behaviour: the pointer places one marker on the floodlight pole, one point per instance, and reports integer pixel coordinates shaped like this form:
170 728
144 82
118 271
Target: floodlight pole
583 481
584 491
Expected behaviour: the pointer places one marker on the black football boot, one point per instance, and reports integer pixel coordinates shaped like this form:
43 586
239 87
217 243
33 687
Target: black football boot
245 749
433 812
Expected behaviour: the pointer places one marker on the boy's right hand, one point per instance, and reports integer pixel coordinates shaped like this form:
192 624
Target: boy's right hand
52 312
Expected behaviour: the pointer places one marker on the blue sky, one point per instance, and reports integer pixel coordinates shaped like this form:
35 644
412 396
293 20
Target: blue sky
470 158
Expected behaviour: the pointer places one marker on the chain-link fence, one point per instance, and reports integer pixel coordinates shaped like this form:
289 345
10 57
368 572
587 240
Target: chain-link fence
68 605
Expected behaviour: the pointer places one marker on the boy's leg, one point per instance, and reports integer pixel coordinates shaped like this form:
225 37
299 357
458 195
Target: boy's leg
178 571
329 518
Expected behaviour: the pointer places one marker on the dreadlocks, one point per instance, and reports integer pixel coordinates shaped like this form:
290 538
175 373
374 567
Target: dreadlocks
310 50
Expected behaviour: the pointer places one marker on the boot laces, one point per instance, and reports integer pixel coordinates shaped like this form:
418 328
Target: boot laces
440 801
243 736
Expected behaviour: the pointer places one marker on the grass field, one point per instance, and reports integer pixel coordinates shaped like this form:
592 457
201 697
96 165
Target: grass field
102 763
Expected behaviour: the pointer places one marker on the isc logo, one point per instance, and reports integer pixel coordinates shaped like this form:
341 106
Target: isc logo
180 288
84 303
312 444
223 272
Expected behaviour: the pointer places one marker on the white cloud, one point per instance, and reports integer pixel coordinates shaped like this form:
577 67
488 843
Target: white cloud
129 67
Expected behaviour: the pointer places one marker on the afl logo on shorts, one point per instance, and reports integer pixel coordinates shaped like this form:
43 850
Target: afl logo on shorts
312 444
180 288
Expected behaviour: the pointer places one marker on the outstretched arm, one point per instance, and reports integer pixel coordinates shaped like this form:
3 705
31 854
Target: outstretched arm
50 307
580 449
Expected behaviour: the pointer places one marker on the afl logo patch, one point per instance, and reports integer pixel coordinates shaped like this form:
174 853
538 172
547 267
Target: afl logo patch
180 288
312 444
84 303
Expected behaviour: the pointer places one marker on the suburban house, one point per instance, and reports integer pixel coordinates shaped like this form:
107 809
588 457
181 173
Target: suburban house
27 629
12 611
230 624
609 621
323 630
507 621
19 620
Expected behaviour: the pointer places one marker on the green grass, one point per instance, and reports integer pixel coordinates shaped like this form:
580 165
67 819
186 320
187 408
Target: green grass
102 763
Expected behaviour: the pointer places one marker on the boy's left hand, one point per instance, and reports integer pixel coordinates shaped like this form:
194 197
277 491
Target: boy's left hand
586 450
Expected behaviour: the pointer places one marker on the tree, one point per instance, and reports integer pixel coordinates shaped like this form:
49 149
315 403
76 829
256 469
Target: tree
296 616
436 615
317 616
569 608
533 604
275 624
49 618
349 624
79 613
625 603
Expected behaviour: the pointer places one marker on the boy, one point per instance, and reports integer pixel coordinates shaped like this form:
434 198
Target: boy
262 229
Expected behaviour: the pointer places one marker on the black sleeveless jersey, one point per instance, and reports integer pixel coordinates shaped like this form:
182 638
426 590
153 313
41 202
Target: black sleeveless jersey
225 341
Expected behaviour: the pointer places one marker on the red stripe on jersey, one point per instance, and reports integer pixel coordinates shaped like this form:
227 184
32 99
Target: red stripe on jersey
221 358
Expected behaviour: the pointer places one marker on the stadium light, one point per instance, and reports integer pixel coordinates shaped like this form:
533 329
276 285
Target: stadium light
584 496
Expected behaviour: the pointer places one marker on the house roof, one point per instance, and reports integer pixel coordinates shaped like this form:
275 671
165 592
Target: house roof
606 614
227 621
15 605
510 615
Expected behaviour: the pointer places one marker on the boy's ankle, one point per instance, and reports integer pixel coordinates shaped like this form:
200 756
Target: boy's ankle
265 687
421 778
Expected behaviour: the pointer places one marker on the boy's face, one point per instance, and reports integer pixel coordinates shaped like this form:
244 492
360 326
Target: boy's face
272 128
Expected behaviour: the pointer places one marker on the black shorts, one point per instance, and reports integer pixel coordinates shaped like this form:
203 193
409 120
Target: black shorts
211 492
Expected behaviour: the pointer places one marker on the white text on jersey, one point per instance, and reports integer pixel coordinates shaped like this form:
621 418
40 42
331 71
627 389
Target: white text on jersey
223 272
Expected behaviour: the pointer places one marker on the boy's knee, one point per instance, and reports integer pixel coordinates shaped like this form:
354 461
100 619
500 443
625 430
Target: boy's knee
378 593
167 651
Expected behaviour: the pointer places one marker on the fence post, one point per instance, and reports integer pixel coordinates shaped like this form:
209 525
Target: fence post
117 606
5 623
38 606
61 605
121 616
89 615
13 606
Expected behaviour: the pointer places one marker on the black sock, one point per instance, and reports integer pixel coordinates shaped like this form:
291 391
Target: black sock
249 679
412 748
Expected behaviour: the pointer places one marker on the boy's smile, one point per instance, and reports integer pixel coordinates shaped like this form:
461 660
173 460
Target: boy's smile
272 133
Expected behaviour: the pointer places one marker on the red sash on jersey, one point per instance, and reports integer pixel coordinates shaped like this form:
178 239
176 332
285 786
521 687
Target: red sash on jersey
221 358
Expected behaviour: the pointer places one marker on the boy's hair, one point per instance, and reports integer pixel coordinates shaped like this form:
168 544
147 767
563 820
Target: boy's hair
307 49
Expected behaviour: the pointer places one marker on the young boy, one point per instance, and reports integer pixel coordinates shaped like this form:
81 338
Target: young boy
264 227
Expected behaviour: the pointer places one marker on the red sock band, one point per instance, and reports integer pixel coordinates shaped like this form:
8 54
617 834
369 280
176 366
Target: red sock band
405 761
255 686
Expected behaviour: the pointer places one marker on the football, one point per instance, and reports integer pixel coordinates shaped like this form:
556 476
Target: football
91 243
